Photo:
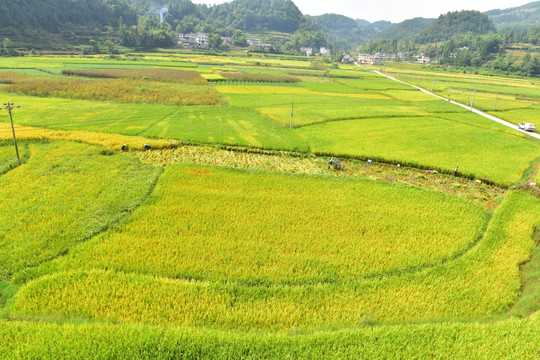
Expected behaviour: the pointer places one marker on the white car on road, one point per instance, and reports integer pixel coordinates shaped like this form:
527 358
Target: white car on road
527 126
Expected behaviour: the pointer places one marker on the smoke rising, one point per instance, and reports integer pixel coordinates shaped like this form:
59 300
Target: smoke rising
158 11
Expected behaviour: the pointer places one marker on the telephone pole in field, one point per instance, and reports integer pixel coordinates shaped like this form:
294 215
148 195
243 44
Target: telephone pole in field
10 106
292 114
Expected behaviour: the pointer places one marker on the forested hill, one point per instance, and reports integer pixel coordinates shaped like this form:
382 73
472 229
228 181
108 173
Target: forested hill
148 23
343 31
523 16
347 33
258 15
58 15
405 29
455 23
246 15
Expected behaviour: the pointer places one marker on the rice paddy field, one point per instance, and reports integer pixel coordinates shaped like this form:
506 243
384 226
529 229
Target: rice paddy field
513 99
180 206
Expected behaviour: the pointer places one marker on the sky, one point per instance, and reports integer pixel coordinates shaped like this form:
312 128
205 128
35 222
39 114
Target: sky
391 10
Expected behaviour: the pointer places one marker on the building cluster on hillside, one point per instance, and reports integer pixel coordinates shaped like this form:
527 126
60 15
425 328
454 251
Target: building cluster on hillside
198 40
259 43
378 58
193 40
201 40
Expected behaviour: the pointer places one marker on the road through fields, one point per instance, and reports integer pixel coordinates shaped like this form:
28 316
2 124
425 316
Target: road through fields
479 112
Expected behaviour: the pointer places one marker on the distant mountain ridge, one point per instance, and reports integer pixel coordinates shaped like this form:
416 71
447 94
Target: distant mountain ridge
522 16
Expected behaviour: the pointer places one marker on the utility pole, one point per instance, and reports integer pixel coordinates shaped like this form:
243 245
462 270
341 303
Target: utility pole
495 106
10 106
418 85
292 114
474 94
433 84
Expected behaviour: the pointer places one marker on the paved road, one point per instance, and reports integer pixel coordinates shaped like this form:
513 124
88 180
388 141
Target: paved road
487 116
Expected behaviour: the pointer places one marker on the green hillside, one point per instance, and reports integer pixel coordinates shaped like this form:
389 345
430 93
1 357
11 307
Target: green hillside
454 23
523 16
405 29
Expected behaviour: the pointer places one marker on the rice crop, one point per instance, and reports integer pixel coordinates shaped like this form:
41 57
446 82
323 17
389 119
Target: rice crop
64 194
230 76
442 143
219 125
497 95
275 241
515 339
120 90
164 75
321 107
8 156
483 282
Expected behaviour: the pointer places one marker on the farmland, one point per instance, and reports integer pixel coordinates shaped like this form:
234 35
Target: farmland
515 100
229 236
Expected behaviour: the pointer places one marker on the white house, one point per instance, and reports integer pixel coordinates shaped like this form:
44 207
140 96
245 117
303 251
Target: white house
254 42
325 52
307 51
190 40
424 59
347 59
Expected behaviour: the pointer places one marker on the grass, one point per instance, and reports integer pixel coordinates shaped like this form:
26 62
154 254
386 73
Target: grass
43 218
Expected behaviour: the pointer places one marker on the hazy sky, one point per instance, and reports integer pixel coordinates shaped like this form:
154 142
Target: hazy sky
392 10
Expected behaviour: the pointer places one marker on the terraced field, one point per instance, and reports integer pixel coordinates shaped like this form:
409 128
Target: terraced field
240 242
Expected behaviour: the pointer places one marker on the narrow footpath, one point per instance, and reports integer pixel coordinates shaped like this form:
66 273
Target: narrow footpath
479 112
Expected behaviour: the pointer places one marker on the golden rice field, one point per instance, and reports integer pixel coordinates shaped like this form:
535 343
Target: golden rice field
237 231
232 238
482 282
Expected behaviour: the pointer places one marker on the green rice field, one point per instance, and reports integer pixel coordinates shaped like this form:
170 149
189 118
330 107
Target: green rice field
143 225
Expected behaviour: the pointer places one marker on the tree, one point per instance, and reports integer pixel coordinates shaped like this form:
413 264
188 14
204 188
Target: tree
95 46
7 48
239 38
215 41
